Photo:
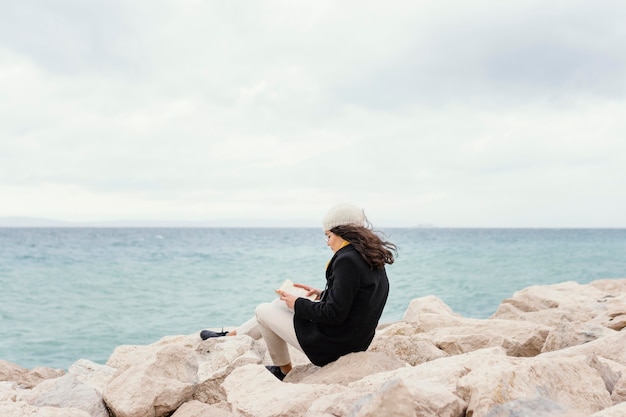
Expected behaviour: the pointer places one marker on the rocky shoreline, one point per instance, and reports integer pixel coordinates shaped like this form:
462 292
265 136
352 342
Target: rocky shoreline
557 350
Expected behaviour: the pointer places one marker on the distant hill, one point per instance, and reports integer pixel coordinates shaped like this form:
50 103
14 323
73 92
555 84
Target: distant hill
39 222
31 222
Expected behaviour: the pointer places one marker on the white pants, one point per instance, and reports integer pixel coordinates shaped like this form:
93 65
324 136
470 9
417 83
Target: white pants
273 322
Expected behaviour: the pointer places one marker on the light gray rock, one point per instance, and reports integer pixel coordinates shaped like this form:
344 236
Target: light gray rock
609 347
455 334
156 380
66 392
569 382
618 410
26 378
602 302
574 333
427 398
196 408
613 315
619 390
8 391
92 374
402 341
23 409
348 368
252 390
535 407
217 358
392 399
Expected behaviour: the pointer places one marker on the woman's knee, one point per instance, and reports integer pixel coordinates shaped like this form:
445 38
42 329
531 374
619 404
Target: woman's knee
263 311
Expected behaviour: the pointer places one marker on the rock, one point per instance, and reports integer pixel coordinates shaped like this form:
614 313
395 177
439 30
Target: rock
161 378
428 305
252 390
348 368
536 407
516 337
92 374
609 347
66 392
196 408
613 315
401 341
392 399
26 378
523 378
8 391
618 410
428 397
619 390
574 333
22 409
218 357
455 334
609 371
602 302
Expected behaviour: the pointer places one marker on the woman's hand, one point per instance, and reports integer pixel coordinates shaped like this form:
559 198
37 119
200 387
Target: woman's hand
310 290
289 299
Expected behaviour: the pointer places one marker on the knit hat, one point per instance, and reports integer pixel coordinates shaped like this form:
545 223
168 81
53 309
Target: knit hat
342 214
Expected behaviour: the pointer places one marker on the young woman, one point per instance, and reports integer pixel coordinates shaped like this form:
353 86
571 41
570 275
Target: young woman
344 316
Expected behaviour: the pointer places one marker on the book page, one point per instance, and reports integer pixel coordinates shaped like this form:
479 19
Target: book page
288 287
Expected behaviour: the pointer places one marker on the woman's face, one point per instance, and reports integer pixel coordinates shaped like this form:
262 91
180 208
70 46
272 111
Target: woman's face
333 241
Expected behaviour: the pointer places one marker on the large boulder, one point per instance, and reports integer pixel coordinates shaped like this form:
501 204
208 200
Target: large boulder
66 392
574 333
253 391
402 341
608 347
217 358
155 383
26 378
454 334
618 410
602 302
22 409
535 407
569 382
195 408
346 369
92 374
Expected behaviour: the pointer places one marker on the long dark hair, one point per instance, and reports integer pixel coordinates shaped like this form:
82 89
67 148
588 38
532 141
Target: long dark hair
376 251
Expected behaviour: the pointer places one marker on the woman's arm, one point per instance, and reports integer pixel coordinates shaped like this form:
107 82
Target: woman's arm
344 284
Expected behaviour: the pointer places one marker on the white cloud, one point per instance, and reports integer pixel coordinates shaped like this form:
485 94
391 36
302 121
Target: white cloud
452 113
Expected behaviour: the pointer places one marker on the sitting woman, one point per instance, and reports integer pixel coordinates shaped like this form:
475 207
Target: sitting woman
344 316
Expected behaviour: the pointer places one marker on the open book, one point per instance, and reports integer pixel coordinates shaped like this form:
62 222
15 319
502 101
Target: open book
288 287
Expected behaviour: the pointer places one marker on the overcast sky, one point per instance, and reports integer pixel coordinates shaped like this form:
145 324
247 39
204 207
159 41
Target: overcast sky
486 113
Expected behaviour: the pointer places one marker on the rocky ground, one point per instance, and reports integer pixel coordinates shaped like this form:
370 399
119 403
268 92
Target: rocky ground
548 351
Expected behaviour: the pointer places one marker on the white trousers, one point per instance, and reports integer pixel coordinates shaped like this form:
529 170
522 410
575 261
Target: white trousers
274 322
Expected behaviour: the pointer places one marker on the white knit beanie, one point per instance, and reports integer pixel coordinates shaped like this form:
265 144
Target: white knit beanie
342 214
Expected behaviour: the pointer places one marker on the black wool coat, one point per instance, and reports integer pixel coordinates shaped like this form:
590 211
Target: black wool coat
345 318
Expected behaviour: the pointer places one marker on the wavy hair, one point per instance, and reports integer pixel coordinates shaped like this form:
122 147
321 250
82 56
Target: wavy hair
376 251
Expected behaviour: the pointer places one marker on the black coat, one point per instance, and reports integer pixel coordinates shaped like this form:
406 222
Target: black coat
345 318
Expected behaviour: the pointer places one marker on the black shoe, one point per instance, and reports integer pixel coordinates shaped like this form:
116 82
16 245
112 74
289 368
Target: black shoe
275 370
206 334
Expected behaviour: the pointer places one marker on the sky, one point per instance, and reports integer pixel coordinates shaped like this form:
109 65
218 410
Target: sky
447 113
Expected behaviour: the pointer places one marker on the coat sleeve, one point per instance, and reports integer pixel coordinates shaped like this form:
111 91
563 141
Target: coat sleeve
344 283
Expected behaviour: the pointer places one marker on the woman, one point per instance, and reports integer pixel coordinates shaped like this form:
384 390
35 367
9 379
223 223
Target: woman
344 316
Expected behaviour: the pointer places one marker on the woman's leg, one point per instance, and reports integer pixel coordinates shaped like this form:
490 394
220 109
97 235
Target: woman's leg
250 328
275 322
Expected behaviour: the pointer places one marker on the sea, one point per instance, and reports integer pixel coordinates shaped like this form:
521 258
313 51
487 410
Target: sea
72 293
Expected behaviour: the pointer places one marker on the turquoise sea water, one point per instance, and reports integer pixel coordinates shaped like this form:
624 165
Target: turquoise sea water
70 293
